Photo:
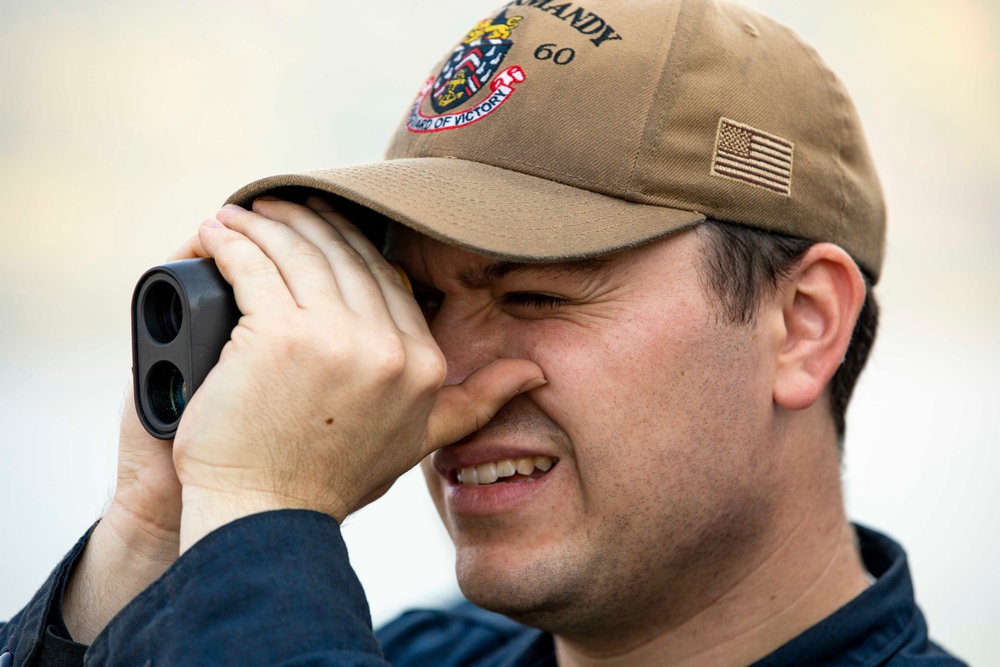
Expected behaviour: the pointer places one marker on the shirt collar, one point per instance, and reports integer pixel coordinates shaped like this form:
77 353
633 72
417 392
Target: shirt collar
870 627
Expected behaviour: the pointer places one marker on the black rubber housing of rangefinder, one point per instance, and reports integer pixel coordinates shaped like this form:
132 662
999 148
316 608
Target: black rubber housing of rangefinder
182 316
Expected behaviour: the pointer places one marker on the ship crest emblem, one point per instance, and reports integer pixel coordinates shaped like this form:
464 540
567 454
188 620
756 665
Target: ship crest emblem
473 62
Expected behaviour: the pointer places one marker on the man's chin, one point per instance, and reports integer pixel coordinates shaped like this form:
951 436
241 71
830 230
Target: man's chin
533 594
536 611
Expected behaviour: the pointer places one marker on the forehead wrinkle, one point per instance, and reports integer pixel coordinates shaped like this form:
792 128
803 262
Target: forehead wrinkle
482 276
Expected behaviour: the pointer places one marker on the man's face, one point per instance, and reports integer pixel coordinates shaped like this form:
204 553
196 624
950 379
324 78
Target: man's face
652 421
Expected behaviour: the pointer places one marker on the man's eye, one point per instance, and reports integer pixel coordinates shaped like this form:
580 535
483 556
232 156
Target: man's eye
532 300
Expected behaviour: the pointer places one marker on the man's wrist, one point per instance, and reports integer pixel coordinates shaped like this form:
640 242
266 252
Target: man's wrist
206 510
121 559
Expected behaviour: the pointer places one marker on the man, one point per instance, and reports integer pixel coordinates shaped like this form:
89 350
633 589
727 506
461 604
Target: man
641 238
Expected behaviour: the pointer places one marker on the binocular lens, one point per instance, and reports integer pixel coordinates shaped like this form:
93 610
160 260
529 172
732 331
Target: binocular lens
167 391
163 312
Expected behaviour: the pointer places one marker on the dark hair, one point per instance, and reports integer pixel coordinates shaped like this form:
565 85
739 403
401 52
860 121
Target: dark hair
742 265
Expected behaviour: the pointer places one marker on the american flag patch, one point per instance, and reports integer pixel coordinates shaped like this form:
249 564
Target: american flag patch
749 155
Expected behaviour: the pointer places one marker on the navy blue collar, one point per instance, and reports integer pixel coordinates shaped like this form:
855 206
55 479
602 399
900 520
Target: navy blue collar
868 630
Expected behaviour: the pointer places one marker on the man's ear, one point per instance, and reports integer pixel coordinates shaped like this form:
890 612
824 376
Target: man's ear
820 303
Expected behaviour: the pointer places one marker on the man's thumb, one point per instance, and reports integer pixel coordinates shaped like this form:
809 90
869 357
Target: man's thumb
464 408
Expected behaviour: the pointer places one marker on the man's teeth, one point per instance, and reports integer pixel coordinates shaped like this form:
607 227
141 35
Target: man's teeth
487 473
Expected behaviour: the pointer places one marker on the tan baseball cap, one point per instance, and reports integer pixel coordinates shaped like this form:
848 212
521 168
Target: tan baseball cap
555 130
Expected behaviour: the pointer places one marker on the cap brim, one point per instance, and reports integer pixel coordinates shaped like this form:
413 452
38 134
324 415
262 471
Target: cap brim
489 210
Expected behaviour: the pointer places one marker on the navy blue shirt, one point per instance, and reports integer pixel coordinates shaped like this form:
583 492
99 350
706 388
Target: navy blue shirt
277 589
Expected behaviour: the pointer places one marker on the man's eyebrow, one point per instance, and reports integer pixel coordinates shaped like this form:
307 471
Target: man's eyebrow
483 276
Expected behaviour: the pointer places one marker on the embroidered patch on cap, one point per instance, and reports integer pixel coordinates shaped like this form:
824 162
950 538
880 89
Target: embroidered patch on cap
749 155
469 69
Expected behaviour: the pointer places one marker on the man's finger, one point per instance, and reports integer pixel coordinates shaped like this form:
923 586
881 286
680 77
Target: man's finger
394 287
257 283
358 287
464 408
303 268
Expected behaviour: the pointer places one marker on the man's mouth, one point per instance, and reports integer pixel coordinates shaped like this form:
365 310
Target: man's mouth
522 469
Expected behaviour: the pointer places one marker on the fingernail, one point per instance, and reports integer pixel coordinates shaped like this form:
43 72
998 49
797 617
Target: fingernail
213 223
532 384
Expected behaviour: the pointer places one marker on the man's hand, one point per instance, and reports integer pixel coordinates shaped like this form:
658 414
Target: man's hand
328 333
331 385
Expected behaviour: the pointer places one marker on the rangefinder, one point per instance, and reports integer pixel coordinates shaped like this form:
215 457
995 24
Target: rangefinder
183 314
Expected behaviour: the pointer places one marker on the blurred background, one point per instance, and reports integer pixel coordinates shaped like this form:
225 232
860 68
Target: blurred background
124 124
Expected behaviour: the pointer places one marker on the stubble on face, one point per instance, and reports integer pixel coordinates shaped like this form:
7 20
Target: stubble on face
657 413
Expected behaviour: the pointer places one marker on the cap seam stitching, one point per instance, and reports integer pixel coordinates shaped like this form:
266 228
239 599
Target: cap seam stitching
838 102
630 187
